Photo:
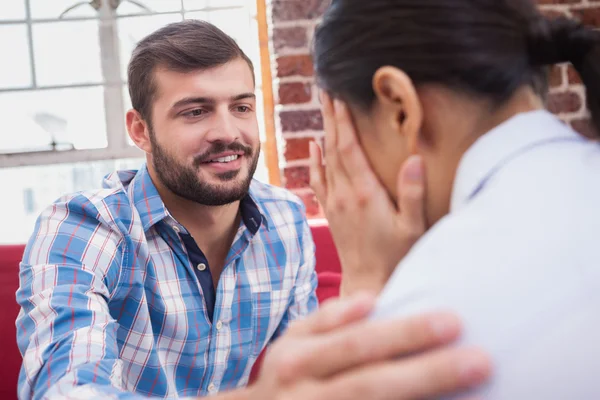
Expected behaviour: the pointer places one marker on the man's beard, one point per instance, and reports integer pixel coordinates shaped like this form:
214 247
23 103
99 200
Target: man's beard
183 180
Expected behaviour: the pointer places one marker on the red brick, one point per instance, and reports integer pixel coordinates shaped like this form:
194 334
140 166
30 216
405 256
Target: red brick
295 93
565 102
295 65
543 2
296 177
573 75
295 37
555 77
297 149
585 127
588 16
294 121
313 208
290 10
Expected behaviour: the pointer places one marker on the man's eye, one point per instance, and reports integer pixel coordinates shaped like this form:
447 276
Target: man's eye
243 109
194 113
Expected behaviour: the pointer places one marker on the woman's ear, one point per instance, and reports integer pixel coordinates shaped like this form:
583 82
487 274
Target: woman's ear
398 98
138 132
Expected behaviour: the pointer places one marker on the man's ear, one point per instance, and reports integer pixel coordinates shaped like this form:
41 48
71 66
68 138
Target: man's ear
398 98
138 131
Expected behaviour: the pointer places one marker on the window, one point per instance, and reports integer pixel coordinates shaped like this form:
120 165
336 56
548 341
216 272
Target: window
63 95
29 200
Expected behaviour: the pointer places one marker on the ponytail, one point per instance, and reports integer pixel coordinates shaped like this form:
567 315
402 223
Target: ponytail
565 40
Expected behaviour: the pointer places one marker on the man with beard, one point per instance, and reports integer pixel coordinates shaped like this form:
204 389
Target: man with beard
171 280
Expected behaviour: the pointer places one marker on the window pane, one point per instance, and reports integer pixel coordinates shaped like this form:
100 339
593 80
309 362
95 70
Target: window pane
127 104
67 53
126 99
17 72
199 15
198 4
252 8
12 10
35 188
34 120
50 9
133 29
154 5
235 22
195 4
252 50
229 3
260 114
262 173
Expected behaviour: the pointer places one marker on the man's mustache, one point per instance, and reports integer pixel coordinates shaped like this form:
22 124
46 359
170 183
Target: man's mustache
220 147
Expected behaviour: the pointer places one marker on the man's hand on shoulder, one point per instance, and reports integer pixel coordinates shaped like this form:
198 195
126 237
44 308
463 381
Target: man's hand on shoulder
337 353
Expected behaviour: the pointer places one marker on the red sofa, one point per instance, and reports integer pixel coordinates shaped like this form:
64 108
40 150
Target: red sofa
328 268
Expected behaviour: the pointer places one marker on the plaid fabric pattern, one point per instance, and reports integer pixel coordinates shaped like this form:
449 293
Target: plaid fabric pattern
111 306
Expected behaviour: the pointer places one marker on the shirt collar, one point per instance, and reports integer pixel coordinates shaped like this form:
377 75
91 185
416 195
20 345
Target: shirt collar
253 202
497 147
152 210
146 199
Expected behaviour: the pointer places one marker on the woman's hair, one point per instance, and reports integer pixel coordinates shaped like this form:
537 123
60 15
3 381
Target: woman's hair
484 48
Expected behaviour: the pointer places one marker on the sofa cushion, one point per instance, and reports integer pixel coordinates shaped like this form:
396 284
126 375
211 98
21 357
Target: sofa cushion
10 257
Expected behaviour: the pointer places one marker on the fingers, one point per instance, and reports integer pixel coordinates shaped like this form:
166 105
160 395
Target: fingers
333 314
335 173
411 194
351 156
330 137
369 342
318 181
428 375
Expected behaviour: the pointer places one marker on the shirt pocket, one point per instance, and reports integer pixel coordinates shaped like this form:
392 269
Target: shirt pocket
268 309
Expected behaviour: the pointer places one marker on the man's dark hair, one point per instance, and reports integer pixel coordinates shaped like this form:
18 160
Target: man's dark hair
183 47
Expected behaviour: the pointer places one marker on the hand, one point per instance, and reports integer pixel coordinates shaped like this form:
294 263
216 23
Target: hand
371 233
337 354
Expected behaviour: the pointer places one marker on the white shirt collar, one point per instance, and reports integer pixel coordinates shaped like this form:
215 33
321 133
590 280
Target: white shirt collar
495 148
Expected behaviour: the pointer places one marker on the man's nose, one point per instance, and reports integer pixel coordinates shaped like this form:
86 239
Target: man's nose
224 129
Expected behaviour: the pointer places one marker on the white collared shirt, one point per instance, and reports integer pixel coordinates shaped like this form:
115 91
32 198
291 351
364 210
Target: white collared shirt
518 258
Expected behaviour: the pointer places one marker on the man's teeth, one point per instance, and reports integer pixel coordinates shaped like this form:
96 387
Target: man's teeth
225 159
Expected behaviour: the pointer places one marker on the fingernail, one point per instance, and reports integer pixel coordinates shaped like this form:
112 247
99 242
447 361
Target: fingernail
474 369
445 326
414 169
337 105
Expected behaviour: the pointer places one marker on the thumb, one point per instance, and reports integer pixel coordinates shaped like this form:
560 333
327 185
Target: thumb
411 193
318 179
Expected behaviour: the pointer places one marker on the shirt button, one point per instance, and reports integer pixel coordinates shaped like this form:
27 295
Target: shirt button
211 387
201 267
176 229
219 325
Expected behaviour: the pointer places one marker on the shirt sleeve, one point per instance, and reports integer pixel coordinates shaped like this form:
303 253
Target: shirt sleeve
304 298
65 332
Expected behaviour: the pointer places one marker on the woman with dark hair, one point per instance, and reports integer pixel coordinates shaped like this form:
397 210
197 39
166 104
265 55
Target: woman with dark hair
453 90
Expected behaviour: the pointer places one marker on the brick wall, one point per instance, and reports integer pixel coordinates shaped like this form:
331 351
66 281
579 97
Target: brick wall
298 119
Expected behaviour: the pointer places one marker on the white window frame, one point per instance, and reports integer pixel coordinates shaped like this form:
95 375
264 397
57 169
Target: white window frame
118 146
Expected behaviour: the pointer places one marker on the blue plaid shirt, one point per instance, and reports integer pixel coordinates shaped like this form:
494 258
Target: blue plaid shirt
114 303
